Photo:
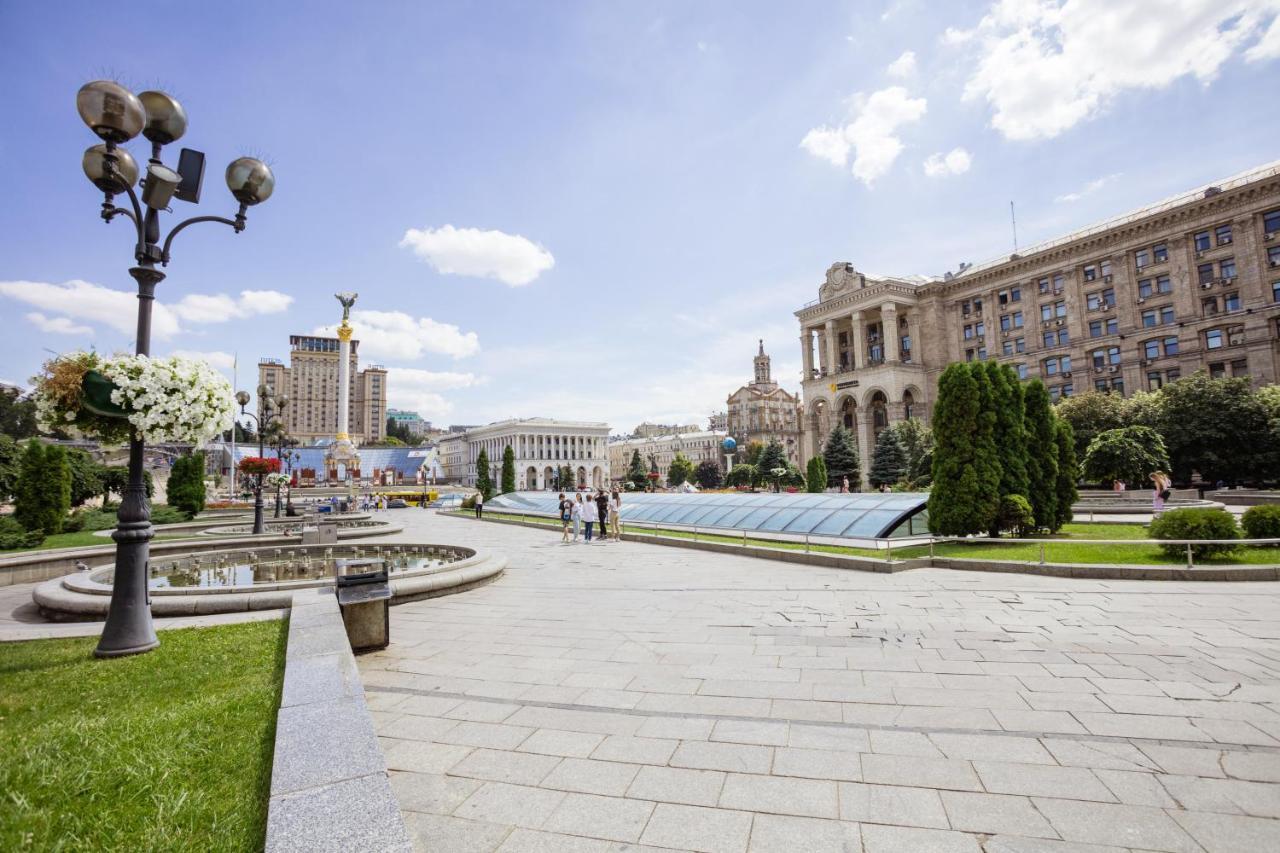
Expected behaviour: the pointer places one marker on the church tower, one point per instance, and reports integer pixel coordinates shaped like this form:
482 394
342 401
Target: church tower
762 367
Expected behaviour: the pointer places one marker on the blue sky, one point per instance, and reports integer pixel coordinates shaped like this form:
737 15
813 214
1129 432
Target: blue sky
593 210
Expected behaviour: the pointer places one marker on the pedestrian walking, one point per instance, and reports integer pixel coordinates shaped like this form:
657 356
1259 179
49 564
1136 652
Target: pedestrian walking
590 515
1160 492
844 486
615 513
575 510
602 510
479 504
566 516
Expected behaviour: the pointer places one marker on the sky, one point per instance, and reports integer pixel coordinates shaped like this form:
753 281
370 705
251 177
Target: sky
589 210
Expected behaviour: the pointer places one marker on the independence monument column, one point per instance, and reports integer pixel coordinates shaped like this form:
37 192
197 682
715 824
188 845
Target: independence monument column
343 451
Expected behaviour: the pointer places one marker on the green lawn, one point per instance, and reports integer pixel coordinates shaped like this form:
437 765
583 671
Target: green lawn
82 539
169 750
1073 547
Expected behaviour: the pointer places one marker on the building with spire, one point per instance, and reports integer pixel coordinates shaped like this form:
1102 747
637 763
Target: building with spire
762 411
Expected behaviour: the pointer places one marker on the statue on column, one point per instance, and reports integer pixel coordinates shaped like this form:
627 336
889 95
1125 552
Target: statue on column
347 299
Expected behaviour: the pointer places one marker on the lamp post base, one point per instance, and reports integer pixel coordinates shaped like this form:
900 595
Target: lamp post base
129 629
258 526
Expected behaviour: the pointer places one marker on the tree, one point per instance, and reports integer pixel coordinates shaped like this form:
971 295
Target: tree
484 480
86 476
680 470
1068 472
917 440
1092 412
186 489
965 497
568 482
1217 427
888 460
751 454
841 457
1009 431
636 473
1042 456
741 475
29 492
115 478
44 488
17 414
772 467
1128 454
508 470
708 475
794 478
816 476
10 462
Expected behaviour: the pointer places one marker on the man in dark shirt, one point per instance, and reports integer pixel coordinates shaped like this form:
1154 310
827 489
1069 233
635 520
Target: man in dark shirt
602 505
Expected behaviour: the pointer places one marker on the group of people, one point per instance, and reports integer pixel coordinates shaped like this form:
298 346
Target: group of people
589 511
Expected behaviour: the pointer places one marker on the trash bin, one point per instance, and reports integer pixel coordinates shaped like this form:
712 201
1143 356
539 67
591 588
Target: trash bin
364 597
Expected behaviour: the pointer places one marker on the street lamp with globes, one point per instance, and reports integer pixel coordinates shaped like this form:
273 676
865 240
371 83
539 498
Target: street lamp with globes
270 408
117 115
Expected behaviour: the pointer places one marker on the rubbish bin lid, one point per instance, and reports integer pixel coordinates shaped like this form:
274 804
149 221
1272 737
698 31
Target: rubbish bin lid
378 591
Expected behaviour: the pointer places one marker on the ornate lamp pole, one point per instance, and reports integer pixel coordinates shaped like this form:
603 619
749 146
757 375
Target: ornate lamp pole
270 407
117 115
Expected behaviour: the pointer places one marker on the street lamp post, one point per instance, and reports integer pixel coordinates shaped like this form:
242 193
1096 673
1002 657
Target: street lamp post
262 421
117 115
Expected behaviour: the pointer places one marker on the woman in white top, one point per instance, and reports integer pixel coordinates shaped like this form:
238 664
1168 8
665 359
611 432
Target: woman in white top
576 511
615 507
590 515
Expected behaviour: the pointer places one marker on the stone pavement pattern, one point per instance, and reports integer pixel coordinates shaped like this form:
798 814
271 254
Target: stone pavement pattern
631 697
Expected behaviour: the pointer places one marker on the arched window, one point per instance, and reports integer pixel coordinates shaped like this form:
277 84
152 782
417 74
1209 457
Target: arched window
879 412
848 413
908 405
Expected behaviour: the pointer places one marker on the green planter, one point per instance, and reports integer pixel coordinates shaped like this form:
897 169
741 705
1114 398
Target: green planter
97 396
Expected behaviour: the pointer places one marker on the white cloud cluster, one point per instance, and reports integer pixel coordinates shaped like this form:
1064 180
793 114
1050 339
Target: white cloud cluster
1046 65
871 135
395 335
1088 189
954 162
418 390
216 359
118 309
509 258
903 66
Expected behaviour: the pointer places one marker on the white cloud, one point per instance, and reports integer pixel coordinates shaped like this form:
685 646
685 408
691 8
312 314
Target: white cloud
418 390
1046 65
57 325
216 359
509 258
954 162
116 309
872 135
903 66
219 308
398 336
1089 188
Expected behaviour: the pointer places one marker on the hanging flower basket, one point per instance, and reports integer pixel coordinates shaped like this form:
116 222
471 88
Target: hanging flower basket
172 399
259 466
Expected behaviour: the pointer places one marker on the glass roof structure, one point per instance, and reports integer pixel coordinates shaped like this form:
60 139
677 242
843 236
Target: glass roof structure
406 460
858 516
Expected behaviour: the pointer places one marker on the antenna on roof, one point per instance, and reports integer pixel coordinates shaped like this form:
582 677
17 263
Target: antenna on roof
1013 217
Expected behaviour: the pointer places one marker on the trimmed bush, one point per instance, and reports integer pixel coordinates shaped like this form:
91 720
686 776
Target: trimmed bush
1016 515
14 535
816 479
1192 523
469 502
1262 522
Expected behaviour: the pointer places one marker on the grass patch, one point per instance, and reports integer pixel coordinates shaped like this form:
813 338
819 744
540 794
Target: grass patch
1071 545
82 539
169 750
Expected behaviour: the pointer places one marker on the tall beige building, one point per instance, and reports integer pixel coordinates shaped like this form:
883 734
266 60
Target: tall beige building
762 410
311 382
1189 283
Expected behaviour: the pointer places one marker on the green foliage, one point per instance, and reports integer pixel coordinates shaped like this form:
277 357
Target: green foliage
10 459
1195 523
186 489
917 440
1262 522
469 502
751 454
165 514
708 475
1009 429
1091 413
14 536
1128 454
1042 456
986 453
680 470
86 479
400 432
1068 473
965 495
1217 427
115 478
484 482
816 477
888 460
741 475
637 476
508 470
568 480
1015 515
43 494
17 414
772 465
793 479
841 457
90 519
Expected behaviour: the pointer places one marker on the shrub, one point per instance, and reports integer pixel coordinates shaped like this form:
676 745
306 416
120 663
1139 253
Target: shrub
164 514
469 502
1262 522
14 535
816 480
1192 523
186 489
1016 515
89 518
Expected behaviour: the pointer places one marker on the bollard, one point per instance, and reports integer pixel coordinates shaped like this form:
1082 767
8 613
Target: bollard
888 546
1042 553
695 534
744 538
930 547
806 543
1190 564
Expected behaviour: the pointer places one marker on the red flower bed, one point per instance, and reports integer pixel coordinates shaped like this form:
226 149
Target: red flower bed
259 465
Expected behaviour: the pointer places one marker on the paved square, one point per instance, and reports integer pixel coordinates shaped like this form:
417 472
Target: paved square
629 696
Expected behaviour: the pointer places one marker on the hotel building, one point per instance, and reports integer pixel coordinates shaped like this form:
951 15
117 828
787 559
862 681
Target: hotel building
311 383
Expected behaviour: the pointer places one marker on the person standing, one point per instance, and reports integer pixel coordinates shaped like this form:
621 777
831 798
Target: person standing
1160 484
602 510
590 515
615 512
479 504
566 515
575 510
844 486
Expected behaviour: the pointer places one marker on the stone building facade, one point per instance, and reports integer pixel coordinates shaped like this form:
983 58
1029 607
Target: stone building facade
1132 303
697 446
762 410
541 446
311 382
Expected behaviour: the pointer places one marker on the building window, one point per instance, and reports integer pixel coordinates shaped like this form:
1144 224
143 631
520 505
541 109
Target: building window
1275 291
1056 338
1008 322
1273 256
982 353
1141 259
1202 242
968 331
1015 294
1059 282
968 355
1160 251
1019 344
1159 284
1057 364
1090 272
1271 221
1098 328
1213 339
1217 370
1103 357
1100 299
1204 273
1006 348
1157 316
1151 350
1154 381
1172 375
1222 234
980 329
1231 302
1227 268
1044 285
1209 306
1240 367
1022 370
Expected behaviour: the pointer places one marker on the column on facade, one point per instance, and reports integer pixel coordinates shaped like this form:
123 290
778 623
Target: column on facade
831 346
857 351
806 352
889 330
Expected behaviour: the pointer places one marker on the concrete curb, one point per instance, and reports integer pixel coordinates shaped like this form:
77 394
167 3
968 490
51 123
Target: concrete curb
329 785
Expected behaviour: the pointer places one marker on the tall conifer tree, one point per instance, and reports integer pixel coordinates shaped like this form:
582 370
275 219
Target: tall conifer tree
1042 456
